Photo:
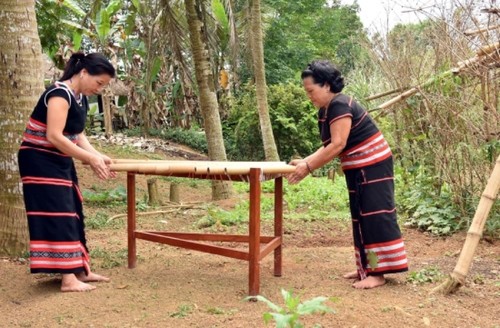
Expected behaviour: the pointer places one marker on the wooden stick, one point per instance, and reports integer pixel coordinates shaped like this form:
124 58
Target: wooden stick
489 28
117 216
383 94
457 277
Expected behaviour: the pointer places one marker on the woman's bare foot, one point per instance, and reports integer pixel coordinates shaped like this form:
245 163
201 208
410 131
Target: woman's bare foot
70 283
91 277
369 282
351 275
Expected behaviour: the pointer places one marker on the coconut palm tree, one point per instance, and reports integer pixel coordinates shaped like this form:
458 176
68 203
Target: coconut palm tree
257 52
208 98
21 82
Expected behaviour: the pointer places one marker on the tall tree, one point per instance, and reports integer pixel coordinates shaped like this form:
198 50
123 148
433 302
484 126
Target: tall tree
208 98
300 31
21 81
257 52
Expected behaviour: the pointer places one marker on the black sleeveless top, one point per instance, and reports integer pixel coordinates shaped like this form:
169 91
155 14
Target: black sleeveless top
36 128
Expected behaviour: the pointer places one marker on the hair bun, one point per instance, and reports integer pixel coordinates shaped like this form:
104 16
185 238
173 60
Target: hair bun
338 84
78 55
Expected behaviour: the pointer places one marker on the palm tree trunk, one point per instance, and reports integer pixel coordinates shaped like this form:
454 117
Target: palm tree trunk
208 99
21 82
257 51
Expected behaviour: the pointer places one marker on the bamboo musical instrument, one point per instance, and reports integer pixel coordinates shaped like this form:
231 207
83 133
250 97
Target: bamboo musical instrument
198 167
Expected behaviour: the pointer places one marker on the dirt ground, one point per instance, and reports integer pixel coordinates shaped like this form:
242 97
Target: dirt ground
173 287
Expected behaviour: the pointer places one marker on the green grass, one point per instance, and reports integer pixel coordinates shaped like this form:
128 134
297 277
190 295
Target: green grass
311 200
99 196
100 220
107 259
182 311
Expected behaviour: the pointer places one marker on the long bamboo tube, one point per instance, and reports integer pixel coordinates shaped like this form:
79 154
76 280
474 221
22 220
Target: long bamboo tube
457 277
199 167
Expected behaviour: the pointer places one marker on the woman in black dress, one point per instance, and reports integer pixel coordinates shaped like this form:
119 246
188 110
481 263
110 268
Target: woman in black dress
54 136
348 132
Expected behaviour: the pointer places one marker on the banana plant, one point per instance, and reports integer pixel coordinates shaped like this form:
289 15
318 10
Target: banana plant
98 24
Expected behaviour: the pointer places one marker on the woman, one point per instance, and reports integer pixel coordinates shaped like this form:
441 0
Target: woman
347 131
54 136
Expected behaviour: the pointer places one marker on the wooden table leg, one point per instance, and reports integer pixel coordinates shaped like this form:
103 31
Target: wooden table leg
278 223
132 259
254 233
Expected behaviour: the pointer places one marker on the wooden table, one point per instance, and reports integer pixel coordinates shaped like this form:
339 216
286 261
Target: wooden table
252 172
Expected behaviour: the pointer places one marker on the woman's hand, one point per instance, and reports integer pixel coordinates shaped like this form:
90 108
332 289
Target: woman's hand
108 161
294 162
301 171
99 166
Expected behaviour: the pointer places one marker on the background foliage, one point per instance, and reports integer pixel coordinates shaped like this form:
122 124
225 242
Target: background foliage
445 138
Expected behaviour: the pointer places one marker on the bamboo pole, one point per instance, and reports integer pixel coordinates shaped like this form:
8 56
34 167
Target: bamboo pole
457 278
489 28
383 94
488 49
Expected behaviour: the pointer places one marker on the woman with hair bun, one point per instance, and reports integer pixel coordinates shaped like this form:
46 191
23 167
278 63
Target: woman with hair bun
348 132
54 136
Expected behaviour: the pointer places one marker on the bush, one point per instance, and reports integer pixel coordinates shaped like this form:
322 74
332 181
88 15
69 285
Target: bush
426 204
292 116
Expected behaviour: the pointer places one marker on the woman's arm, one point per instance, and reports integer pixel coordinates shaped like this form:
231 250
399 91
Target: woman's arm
339 130
57 113
84 143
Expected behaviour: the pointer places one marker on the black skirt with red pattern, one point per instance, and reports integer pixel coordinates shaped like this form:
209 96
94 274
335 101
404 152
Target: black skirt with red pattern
379 247
54 209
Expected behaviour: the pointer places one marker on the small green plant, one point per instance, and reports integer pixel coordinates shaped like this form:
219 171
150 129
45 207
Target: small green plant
182 311
95 120
426 275
106 197
288 316
109 259
100 221
215 311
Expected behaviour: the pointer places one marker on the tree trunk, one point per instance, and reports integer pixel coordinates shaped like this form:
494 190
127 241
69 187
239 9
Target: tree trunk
174 193
208 99
108 114
153 195
257 52
21 82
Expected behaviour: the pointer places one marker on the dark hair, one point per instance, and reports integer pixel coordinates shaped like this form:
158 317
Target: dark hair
323 71
94 63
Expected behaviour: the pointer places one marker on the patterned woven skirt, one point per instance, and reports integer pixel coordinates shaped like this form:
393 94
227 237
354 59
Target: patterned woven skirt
379 248
54 209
